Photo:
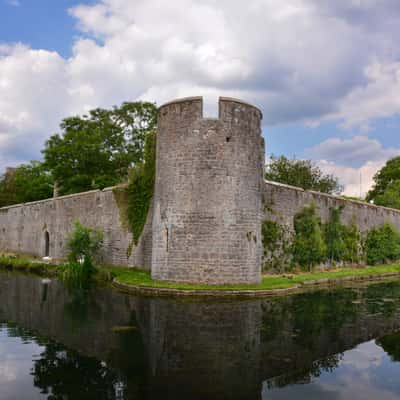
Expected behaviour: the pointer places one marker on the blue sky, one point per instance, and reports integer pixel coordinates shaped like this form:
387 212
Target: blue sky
326 74
42 24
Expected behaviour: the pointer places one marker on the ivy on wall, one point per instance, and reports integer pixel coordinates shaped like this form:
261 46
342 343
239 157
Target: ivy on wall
134 200
343 243
276 240
141 188
331 243
309 247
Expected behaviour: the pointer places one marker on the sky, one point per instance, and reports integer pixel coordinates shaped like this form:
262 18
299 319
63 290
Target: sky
326 74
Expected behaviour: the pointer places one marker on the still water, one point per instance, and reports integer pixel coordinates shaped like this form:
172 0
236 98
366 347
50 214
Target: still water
102 344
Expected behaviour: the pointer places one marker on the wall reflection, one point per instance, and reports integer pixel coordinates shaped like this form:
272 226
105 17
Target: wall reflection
105 344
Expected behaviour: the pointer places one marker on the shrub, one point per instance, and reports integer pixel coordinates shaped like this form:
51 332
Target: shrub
83 244
343 243
383 245
334 236
308 246
353 241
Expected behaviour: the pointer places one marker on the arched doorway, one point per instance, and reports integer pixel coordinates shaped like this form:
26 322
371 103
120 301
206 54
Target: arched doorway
46 244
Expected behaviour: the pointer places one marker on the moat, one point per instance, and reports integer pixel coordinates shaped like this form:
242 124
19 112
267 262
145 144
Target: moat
59 343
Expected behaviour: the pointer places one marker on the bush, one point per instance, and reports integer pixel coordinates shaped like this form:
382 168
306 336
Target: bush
383 245
83 245
334 236
308 247
77 274
353 241
343 243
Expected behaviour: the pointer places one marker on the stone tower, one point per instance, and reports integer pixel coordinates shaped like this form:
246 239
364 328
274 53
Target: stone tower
207 201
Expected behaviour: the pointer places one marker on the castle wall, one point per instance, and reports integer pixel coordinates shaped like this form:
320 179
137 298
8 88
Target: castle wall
23 227
283 202
207 203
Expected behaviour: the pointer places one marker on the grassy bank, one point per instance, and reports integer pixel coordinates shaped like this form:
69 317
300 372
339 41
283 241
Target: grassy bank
269 282
28 265
136 277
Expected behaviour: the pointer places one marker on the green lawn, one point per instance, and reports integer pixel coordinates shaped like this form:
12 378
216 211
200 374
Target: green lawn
137 277
142 278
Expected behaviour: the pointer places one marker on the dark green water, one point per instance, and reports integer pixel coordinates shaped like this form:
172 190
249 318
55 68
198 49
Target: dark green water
102 344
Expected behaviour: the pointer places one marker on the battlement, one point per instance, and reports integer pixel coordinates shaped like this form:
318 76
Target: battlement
194 106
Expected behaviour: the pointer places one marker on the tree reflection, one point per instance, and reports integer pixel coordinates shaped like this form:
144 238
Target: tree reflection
391 344
64 374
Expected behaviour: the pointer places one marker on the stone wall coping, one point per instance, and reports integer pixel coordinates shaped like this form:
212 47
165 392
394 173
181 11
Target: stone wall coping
220 99
234 100
182 100
67 196
332 196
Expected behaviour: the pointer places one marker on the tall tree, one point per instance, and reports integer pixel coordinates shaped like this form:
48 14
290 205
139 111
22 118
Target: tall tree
386 190
28 182
98 149
301 173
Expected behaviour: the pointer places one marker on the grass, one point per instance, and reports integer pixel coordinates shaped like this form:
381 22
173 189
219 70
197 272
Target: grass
27 264
137 277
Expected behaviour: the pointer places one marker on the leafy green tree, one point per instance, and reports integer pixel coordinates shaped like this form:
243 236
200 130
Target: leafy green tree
28 182
390 197
98 149
383 245
385 178
308 246
301 173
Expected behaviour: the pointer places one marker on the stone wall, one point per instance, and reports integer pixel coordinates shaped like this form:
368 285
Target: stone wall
283 202
207 203
23 227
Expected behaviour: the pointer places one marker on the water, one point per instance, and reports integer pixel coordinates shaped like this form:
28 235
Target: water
103 344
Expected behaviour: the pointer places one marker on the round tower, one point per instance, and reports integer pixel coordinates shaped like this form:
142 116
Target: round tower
207 200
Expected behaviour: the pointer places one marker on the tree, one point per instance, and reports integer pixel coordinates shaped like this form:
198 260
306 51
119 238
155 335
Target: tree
97 150
383 179
301 173
390 197
28 182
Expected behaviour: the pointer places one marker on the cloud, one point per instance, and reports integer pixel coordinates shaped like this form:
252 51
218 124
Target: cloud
356 181
352 152
300 61
354 161
379 98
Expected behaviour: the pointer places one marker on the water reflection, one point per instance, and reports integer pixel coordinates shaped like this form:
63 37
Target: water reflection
102 344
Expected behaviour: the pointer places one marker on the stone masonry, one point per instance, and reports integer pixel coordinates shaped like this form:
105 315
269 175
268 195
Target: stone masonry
207 202
204 223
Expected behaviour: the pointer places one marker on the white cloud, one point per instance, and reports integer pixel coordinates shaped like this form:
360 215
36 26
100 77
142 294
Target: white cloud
352 152
354 161
356 181
379 98
300 60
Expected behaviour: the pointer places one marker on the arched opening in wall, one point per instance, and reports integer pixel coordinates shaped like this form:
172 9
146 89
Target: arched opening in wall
46 244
